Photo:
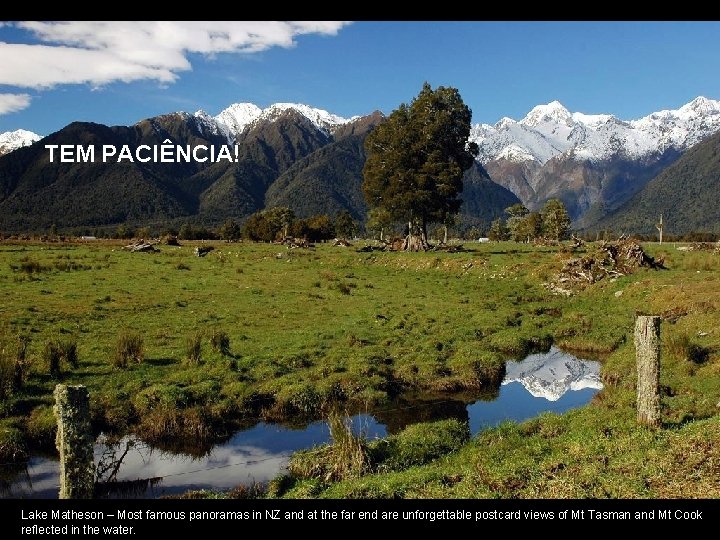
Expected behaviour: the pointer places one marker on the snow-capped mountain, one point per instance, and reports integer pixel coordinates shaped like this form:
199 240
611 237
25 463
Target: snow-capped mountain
550 375
548 131
239 116
12 140
592 162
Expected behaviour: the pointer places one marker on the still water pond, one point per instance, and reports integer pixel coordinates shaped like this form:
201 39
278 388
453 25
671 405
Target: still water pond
553 381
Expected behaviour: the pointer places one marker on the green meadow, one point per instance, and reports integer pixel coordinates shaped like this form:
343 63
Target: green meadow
258 331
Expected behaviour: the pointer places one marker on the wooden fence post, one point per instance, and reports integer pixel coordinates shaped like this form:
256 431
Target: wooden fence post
647 354
75 442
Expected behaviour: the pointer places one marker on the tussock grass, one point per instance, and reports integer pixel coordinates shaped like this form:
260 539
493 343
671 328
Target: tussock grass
193 347
129 349
345 457
220 342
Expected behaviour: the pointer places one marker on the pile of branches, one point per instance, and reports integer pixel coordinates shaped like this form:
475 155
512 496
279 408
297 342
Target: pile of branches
610 259
141 246
293 243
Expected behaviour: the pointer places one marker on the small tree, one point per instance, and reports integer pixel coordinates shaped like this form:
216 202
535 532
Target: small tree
280 219
516 229
124 232
320 228
555 220
498 231
186 232
345 225
230 231
531 227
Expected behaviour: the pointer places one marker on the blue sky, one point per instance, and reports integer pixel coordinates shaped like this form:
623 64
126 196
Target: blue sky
119 73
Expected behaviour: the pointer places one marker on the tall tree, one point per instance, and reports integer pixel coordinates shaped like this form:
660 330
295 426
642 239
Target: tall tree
416 159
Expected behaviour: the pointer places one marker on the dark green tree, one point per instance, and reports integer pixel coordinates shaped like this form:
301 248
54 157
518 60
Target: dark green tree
555 219
416 159
280 218
230 231
269 225
258 228
345 225
313 229
186 232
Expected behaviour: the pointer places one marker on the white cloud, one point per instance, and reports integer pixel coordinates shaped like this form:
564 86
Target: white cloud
13 102
101 52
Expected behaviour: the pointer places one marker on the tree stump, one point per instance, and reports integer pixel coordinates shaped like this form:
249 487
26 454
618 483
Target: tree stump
647 354
75 442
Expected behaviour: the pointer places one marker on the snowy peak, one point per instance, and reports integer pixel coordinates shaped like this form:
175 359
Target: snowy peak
550 375
12 140
233 120
700 106
553 112
550 130
322 119
239 116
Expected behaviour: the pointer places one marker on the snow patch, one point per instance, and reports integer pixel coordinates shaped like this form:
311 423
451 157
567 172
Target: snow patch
12 140
239 116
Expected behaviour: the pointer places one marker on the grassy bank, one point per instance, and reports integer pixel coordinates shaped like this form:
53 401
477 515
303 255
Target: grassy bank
598 451
311 328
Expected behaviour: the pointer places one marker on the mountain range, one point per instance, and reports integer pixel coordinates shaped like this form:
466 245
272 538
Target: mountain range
288 154
295 155
685 194
593 163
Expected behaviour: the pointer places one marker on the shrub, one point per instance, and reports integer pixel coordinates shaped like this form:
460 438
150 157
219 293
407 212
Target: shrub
52 356
13 364
129 348
220 342
419 444
68 351
193 348
56 351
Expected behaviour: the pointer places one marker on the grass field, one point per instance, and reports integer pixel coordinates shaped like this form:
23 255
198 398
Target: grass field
311 328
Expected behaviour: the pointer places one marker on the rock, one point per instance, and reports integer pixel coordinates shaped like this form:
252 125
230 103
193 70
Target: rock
618 294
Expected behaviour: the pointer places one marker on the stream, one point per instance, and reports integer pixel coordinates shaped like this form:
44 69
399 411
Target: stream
554 381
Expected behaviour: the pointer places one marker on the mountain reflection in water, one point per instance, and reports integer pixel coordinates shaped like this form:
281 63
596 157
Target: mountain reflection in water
554 381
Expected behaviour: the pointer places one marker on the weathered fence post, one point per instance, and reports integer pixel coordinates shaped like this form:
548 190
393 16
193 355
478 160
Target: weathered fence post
647 354
74 441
